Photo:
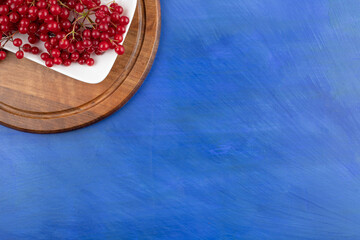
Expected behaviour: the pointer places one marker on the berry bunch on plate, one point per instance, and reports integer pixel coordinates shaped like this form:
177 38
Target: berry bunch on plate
71 30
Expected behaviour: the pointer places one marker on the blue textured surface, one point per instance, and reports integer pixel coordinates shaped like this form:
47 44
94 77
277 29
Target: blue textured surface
248 127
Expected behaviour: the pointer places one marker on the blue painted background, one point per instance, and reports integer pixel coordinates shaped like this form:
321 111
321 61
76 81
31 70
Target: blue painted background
248 127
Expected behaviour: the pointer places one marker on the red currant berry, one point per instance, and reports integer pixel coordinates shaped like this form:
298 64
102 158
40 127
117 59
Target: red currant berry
41 4
92 4
97 2
48 45
106 19
104 36
53 27
111 31
100 14
120 29
113 45
22 30
64 55
124 20
87 43
113 5
33 27
65 24
81 61
120 50
35 50
98 52
53 41
74 56
60 35
4 9
14 17
85 55
23 9
57 61
55 9
67 62
17 42
64 43
43 28
33 11
26 48
44 37
44 56
71 48
91 50
115 17
118 9
19 54
49 19
2 55
95 34
25 22
43 14
118 38
79 8
103 27
95 42
104 8
12 5
71 4
4 20
6 28
49 62
33 39
86 34
97 20
79 46
55 53
64 13
103 46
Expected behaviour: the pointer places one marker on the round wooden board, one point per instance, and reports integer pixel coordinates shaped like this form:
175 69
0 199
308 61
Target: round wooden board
36 99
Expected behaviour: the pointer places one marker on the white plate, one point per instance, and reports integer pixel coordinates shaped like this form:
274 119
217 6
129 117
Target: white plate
84 73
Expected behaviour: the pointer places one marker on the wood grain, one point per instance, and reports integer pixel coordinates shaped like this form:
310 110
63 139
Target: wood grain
36 99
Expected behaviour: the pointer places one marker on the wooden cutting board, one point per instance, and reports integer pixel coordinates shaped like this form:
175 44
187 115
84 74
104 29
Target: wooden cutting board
36 99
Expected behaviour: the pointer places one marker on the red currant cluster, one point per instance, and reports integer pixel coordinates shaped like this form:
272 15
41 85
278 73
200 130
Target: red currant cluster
71 30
